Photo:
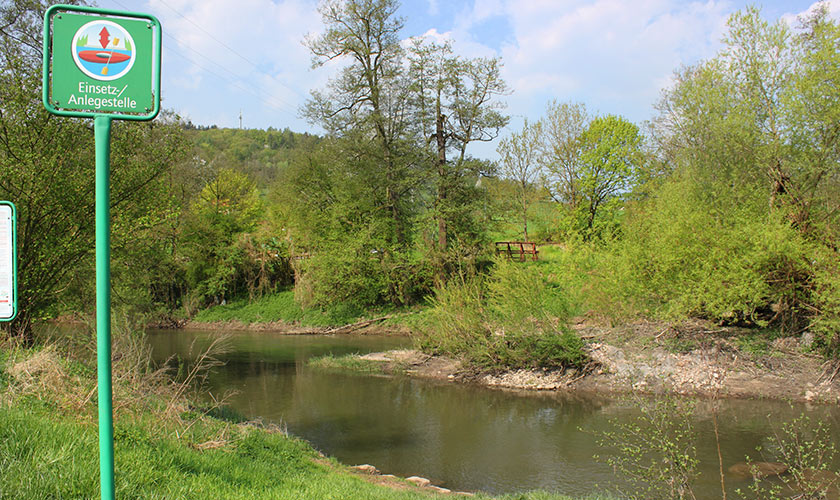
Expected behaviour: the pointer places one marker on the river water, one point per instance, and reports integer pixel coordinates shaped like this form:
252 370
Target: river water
461 437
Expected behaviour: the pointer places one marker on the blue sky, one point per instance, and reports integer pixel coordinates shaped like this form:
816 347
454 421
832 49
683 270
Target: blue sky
223 56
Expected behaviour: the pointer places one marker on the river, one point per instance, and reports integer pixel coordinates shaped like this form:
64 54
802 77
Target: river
459 436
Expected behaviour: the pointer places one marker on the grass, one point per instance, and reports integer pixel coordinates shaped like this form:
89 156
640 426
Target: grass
49 443
352 363
278 307
757 343
48 457
282 307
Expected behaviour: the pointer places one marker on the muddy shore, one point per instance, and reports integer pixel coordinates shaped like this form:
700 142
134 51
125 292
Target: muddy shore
653 358
692 358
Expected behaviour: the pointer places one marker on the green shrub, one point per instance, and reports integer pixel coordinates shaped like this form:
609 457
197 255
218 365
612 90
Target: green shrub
654 451
514 318
680 257
365 276
826 323
280 306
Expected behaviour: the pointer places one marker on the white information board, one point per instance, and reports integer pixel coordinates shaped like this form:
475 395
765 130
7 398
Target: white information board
7 262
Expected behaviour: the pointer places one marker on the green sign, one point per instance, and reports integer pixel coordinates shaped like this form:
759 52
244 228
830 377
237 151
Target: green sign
98 61
102 64
8 262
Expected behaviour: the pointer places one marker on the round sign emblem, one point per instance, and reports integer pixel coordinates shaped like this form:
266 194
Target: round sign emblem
103 50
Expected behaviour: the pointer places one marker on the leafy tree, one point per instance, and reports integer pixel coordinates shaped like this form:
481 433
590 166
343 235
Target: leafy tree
225 209
332 211
561 151
47 171
519 161
769 123
369 97
455 104
609 160
752 139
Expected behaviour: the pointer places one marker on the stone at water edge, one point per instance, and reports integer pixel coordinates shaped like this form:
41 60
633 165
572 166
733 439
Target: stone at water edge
759 470
366 469
439 489
419 481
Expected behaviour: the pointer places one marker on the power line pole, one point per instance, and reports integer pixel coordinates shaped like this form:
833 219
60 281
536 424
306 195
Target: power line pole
240 119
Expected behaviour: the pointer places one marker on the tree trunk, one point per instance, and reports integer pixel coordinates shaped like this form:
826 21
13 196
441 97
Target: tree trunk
525 221
440 138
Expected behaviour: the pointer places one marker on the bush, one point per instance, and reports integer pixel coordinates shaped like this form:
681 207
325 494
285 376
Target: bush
514 318
826 324
681 257
807 452
654 451
364 276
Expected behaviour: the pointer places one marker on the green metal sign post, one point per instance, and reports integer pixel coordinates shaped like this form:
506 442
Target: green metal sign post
8 261
103 64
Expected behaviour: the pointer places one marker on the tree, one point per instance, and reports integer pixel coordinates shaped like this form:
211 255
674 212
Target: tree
368 98
519 161
762 117
47 167
227 208
561 150
455 104
754 142
609 161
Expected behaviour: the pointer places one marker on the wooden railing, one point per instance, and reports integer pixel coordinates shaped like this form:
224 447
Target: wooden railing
520 248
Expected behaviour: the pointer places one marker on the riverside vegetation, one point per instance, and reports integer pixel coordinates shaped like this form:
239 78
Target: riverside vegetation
167 446
725 207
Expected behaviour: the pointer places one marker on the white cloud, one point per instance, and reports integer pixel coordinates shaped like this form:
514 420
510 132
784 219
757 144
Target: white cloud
251 49
612 52
792 19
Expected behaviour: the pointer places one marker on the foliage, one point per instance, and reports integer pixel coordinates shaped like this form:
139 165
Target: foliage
609 160
807 451
47 164
365 276
397 193
755 135
679 258
279 306
655 451
259 154
515 318
368 99
561 150
453 101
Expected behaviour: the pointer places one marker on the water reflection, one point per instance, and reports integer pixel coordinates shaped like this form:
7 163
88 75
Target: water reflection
461 437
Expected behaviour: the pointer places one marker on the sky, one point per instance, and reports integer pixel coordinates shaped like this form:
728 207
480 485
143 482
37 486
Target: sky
222 57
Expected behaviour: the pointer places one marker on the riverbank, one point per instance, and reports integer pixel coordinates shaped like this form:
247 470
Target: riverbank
689 358
165 446
279 312
692 358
